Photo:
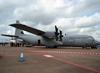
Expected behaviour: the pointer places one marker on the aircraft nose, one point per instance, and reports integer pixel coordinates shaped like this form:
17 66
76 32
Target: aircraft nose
96 42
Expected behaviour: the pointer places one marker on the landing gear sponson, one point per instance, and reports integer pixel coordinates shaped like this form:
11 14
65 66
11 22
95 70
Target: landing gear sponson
51 46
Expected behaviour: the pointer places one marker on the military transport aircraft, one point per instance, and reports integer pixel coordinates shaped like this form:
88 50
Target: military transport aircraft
52 39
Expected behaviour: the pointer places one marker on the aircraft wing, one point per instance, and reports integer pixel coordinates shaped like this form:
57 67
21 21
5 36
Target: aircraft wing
28 29
9 35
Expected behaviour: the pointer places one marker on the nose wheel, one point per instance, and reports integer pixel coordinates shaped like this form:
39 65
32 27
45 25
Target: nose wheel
93 47
90 47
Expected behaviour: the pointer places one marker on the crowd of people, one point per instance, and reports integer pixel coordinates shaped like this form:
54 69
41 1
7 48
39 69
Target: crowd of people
3 44
14 44
17 44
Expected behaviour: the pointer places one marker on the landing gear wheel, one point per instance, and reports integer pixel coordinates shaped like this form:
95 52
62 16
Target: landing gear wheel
87 47
83 47
55 47
47 47
95 47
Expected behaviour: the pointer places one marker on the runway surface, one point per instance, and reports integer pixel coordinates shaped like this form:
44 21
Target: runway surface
39 59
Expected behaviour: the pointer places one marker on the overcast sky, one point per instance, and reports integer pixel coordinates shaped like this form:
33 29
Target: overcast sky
71 16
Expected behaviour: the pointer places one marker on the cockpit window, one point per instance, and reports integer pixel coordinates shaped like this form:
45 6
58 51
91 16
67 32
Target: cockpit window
90 37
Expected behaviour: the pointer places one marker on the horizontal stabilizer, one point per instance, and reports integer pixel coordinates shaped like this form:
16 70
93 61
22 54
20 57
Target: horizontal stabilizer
9 35
28 29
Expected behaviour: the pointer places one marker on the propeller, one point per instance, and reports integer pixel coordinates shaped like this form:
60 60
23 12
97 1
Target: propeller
56 33
60 35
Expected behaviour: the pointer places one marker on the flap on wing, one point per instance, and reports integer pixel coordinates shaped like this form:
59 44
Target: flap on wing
28 29
9 35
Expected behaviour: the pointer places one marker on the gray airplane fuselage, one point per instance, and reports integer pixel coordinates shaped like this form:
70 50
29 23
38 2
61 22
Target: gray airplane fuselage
79 41
68 40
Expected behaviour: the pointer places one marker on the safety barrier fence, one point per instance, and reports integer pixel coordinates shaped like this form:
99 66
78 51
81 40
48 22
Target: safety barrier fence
64 52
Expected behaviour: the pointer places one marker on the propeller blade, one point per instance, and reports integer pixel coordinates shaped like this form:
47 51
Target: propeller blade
60 32
56 33
56 38
60 35
56 29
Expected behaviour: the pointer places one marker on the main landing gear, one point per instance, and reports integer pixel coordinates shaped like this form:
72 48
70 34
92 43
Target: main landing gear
51 46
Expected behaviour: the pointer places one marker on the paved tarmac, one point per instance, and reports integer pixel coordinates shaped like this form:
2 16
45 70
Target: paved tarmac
39 59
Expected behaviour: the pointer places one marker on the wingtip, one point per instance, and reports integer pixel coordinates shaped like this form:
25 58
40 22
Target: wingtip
1 34
12 24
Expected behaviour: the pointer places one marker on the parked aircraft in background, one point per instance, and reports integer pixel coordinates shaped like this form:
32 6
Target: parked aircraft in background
52 39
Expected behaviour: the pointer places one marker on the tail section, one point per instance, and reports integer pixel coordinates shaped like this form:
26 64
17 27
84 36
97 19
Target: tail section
18 31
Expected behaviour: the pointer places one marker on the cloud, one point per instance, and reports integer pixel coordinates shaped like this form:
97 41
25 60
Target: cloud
86 21
46 12
84 7
71 16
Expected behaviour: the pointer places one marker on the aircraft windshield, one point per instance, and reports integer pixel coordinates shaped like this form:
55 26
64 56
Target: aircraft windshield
90 37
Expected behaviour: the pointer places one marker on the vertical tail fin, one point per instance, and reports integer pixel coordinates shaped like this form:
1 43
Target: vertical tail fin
18 31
